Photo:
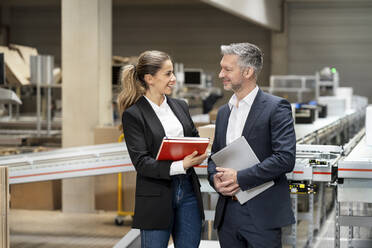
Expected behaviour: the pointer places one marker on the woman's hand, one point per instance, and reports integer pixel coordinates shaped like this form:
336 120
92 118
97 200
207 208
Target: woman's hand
193 159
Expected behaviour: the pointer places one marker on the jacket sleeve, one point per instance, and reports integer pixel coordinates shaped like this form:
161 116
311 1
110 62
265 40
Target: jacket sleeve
211 167
283 142
141 156
215 148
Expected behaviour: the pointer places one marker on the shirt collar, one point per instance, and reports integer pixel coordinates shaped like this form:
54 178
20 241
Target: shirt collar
248 99
163 105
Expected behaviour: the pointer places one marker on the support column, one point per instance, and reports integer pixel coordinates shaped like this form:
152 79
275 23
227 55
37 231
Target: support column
279 46
86 87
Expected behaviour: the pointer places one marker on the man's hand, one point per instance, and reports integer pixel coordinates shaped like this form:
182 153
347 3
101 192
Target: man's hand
226 187
228 174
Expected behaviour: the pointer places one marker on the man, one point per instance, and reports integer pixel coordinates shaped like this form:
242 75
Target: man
266 123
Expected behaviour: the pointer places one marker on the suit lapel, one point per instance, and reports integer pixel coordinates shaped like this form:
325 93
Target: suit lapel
151 117
225 121
256 110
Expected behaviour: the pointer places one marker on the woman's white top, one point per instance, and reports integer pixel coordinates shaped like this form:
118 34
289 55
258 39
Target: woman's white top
172 127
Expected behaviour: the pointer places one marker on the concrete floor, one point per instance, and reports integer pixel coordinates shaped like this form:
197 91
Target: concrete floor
53 229
47 229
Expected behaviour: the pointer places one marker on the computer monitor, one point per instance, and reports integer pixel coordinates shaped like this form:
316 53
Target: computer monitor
194 78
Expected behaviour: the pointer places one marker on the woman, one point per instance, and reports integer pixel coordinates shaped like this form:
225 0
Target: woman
168 199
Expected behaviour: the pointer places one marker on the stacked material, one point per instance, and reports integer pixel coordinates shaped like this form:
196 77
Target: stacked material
18 64
336 106
4 207
369 125
17 71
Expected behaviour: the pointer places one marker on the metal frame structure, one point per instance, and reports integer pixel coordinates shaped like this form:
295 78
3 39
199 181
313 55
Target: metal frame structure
294 84
331 83
355 172
338 129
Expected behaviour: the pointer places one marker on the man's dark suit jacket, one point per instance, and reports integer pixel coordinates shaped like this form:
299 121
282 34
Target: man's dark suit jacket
269 131
144 133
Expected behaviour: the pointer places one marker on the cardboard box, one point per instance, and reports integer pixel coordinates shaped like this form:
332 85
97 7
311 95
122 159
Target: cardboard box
106 186
207 131
106 134
4 207
25 52
106 191
38 195
129 190
16 67
213 115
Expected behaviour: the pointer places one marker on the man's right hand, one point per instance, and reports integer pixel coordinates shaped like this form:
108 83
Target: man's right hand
226 188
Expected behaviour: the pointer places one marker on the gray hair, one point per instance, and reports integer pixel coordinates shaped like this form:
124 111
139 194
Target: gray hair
249 55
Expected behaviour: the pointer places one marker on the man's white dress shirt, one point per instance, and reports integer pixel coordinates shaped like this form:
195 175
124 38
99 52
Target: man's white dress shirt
238 115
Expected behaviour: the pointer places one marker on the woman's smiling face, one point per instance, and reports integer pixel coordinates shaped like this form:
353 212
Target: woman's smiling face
164 80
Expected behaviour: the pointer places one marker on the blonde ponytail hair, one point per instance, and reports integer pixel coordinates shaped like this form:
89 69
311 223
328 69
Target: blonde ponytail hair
131 88
132 77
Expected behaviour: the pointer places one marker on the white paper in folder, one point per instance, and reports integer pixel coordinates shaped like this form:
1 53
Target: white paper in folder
239 155
369 125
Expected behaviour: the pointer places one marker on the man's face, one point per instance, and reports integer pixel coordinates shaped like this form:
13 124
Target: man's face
231 73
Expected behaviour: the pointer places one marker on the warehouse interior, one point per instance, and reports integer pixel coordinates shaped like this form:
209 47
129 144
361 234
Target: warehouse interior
66 177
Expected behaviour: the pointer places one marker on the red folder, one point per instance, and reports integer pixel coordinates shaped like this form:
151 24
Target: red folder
176 148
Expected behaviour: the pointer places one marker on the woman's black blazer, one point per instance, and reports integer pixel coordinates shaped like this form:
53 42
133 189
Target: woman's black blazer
144 133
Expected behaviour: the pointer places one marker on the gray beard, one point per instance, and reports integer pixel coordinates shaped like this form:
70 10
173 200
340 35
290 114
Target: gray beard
236 87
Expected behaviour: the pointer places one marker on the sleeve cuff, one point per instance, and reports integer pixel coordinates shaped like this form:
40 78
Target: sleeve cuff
177 168
240 181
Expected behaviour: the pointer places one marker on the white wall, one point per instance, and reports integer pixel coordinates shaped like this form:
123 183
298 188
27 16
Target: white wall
191 33
267 13
335 34
37 26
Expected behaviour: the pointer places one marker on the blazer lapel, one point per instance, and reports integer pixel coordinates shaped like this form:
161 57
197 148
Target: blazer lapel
256 110
150 116
225 121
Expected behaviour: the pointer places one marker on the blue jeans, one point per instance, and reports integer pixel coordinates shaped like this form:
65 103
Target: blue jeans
186 226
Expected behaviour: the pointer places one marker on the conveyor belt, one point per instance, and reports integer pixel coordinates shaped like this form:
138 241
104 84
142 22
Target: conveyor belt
358 164
67 163
315 163
71 162
113 158
311 133
105 159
